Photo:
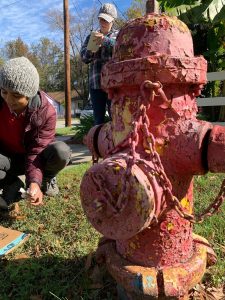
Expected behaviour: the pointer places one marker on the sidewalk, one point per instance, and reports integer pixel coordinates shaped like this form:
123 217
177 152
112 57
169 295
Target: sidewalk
60 123
80 152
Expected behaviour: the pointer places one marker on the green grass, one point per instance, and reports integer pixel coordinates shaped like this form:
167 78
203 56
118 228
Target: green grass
66 131
56 252
52 264
206 190
79 131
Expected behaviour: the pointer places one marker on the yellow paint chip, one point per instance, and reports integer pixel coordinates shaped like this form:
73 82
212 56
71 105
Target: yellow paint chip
170 226
185 203
159 149
117 168
126 116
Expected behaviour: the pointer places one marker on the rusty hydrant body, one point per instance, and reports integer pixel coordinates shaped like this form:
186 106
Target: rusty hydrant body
140 196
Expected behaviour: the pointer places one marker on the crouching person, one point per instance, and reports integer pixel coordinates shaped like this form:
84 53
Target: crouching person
27 135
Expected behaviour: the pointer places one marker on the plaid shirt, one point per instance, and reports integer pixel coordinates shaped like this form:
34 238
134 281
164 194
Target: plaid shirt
99 58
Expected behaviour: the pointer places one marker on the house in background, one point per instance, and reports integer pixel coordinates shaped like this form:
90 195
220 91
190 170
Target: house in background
58 100
53 102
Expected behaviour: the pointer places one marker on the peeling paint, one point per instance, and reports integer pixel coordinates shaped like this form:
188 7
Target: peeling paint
140 193
185 203
125 119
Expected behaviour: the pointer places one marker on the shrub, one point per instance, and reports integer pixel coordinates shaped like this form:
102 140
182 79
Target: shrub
86 123
82 129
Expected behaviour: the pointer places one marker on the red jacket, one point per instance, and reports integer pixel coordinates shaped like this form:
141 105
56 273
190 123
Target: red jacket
40 123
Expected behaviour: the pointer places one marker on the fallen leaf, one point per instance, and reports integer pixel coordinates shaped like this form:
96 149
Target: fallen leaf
37 251
72 206
41 227
16 208
217 293
15 212
21 256
201 292
67 186
19 217
20 259
50 251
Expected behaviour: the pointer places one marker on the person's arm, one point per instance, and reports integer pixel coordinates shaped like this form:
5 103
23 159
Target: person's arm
42 137
86 55
34 166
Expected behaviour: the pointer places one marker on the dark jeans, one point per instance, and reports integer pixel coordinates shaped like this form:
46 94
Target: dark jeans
99 101
55 157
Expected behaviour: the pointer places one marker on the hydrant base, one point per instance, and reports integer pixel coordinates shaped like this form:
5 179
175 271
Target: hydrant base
137 282
123 295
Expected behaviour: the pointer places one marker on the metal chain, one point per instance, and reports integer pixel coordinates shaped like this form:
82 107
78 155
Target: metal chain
105 196
132 142
95 159
164 180
214 207
99 180
141 122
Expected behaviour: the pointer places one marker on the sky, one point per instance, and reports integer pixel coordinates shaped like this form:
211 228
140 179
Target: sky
26 18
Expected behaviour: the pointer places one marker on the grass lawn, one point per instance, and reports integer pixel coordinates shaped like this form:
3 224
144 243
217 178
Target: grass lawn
56 261
66 131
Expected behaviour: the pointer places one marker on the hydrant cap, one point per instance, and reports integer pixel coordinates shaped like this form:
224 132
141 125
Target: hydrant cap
151 35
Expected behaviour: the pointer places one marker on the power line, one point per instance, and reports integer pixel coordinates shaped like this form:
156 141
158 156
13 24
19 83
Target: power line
4 6
100 2
76 9
119 10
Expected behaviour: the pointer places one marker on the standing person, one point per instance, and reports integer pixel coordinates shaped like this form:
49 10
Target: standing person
105 40
27 132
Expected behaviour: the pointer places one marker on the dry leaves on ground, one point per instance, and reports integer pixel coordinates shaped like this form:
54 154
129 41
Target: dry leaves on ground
201 292
15 212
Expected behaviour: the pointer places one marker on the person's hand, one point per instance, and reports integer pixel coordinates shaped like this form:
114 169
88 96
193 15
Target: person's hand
98 39
35 195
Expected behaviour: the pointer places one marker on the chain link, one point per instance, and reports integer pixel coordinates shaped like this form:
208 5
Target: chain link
172 201
141 122
132 142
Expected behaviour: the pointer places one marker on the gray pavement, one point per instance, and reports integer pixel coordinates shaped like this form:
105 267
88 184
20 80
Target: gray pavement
80 152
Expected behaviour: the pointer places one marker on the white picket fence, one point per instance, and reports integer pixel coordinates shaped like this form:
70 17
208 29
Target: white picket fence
214 101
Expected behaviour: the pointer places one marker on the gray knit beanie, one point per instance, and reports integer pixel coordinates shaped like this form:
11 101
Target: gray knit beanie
20 75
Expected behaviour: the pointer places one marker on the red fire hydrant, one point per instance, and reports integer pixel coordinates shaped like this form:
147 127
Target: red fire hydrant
140 196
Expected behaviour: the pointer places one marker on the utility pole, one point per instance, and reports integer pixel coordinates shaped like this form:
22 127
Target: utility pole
67 63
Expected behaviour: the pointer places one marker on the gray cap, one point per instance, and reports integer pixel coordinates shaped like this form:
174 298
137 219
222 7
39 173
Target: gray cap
20 75
108 12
